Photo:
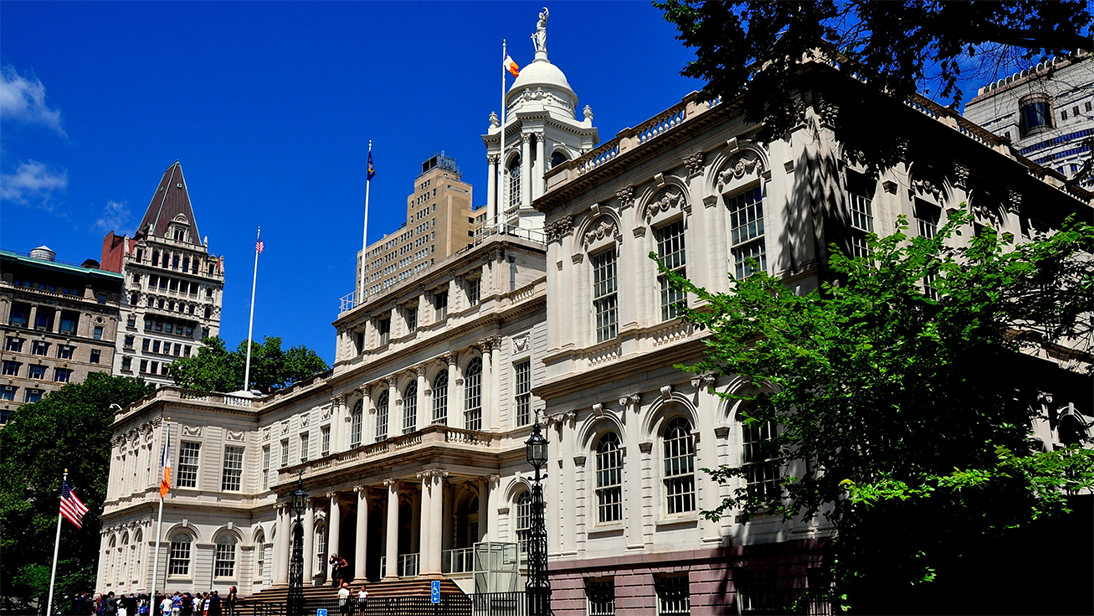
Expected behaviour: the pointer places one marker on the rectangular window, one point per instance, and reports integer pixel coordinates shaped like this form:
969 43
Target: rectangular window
862 221
36 372
285 452
129 340
7 392
673 595
33 395
747 239
604 295
440 305
670 249
411 318
523 401
305 439
127 364
265 467
68 322
383 326
64 351
474 291
14 345
600 597
756 590
61 375
180 556
233 469
97 333
156 346
44 320
95 356
11 368
224 561
19 315
40 348
324 441
144 366
189 456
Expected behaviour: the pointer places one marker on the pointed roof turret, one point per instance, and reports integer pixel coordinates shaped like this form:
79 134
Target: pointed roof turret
172 200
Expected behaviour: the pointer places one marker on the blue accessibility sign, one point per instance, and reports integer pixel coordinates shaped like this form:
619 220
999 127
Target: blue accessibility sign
320 612
434 592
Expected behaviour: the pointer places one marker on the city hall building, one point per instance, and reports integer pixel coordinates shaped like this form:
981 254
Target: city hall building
411 448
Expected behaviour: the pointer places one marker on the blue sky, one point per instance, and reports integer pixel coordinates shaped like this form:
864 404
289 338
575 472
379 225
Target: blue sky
269 107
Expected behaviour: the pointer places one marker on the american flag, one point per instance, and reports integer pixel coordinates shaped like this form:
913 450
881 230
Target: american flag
259 246
72 507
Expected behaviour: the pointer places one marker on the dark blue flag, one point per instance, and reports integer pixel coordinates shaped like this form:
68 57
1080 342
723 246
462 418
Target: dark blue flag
371 167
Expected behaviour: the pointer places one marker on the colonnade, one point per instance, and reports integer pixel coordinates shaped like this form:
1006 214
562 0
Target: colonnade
429 489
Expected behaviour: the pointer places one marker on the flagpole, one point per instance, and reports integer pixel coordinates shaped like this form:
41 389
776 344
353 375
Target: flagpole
364 236
159 522
56 545
251 325
501 151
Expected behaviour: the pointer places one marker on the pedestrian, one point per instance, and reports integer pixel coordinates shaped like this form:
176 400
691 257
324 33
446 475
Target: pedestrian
362 599
167 605
343 599
233 596
110 605
205 602
338 566
214 604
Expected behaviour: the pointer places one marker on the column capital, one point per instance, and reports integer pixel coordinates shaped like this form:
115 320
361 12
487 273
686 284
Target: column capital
391 482
526 137
338 399
360 489
332 495
485 344
451 357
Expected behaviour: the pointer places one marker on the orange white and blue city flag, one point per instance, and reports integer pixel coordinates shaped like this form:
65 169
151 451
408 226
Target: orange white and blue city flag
371 167
511 66
165 481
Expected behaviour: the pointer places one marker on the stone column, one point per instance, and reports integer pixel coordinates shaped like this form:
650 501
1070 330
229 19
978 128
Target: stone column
436 520
493 503
568 541
526 170
452 406
495 384
392 523
538 184
425 524
632 475
394 420
281 548
423 417
361 552
334 525
492 188
337 410
309 543
487 384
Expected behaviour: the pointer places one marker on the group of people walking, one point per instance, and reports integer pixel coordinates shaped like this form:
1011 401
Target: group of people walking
199 604
179 604
346 598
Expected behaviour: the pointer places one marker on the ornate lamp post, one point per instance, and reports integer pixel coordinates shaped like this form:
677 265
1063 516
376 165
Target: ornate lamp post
296 563
538 588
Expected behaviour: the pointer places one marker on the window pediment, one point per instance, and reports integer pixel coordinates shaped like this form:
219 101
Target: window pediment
742 167
665 205
601 232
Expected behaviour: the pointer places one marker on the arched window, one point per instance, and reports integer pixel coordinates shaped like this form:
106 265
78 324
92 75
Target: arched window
759 457
381 416
514 182
472 395
679 458
524 519
109 558
260 557
138 538
123 561
321 548
224 562
179 564
557 158
609 479
410 408
440 399
356 420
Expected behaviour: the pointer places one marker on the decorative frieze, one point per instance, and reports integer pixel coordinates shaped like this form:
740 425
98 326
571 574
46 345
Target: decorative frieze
602 228
235 436
670 198
626 196
694 163
742 164
194 431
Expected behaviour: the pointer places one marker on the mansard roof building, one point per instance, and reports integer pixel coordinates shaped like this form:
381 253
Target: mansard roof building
173 286
412 447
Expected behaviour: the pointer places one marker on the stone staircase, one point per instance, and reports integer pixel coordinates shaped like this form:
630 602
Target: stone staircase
410 587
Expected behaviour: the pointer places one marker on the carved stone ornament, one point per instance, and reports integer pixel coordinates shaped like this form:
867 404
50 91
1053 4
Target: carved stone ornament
598 409
237 436
285 427
626 196
559 229
588 111
191 430
520 343
827 112
604 227
266 433
326 411
924 186
1014 199
304 418
494 122
739 166
670 198
694 163
960 176
666 391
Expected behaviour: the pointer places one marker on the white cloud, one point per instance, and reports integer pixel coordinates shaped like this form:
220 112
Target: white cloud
32 182
115 217
24 100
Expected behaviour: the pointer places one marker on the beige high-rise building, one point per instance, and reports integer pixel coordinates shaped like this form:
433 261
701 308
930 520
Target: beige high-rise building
173 289
439 221
59 321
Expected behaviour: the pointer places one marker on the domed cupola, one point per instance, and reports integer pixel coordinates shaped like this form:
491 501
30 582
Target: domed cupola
538 131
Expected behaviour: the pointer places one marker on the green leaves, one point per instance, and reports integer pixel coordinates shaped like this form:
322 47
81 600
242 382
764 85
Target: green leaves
215 368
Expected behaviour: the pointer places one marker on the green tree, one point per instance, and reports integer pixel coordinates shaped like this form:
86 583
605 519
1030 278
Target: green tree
67 429
215 368
900 402
897 48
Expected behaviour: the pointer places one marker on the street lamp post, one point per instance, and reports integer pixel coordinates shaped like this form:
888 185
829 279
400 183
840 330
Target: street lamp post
538 587
296 563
